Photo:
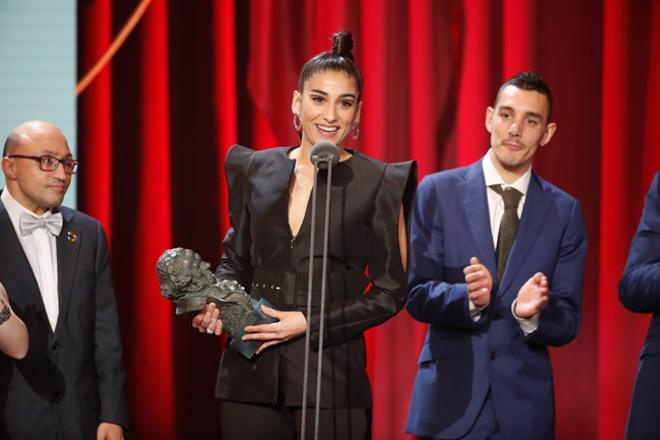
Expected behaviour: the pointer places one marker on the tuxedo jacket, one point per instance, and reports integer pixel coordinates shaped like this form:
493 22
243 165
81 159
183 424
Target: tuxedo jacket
639 291
262 254
73 378
462 360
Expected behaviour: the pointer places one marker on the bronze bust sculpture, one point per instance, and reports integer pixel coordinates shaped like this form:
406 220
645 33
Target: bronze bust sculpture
186 280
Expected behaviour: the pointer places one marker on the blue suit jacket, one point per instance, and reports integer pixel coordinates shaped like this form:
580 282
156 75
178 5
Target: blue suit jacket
639 291
462 359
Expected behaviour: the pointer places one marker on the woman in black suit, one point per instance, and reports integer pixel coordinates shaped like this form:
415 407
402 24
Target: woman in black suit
267 251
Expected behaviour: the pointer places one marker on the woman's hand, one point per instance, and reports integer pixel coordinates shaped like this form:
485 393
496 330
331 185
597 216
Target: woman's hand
290 326
207 321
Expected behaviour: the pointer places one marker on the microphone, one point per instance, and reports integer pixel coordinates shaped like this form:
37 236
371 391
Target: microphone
324 154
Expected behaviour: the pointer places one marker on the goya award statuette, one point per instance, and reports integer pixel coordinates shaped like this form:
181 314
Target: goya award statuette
187 281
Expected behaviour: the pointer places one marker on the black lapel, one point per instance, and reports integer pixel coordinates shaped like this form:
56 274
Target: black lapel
537 204
68 247
13 258
475 203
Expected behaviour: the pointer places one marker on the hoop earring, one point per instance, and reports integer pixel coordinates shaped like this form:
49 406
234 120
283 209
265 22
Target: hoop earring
355 132
297 122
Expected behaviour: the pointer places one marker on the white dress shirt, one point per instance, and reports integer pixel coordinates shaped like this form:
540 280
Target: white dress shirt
496 212
40 248
495 200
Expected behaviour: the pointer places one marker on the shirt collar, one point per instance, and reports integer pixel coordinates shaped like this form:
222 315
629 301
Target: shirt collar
492 177
15 209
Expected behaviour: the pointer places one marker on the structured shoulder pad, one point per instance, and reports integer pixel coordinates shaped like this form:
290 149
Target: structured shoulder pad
398 185
237 170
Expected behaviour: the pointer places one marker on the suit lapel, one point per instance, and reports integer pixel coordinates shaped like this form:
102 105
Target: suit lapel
68 247
531 221
475 203
14 259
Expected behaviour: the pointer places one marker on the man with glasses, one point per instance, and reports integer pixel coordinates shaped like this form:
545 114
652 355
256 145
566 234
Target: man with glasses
54 264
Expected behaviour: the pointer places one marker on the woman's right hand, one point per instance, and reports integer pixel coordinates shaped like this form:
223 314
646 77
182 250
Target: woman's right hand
207 321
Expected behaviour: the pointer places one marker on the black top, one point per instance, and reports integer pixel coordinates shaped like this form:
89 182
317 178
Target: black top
261 253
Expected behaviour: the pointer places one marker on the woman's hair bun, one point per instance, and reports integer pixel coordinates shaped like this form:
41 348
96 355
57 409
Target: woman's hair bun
342 44
339 59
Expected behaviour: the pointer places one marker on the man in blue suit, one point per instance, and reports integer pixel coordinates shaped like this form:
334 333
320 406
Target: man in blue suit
497 258
639 291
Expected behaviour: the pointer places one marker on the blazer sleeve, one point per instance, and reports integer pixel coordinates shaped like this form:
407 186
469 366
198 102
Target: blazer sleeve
431 298
639 287
349 318
559 321
108 348
235 262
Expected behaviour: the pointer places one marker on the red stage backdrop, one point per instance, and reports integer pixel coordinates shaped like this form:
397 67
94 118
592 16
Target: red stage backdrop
197 76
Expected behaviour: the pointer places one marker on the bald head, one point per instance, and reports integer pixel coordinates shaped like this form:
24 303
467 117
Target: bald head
32 131
36 186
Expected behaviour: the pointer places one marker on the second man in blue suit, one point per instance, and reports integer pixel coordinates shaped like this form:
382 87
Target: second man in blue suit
496 268
639 291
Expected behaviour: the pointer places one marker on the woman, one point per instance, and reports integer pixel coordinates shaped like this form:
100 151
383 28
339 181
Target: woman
267 251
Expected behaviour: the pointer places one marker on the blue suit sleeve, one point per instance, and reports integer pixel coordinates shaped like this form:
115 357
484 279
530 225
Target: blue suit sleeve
559 321
639 287
431 299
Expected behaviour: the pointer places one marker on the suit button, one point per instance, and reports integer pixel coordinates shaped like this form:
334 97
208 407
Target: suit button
56 346
492 355
57 395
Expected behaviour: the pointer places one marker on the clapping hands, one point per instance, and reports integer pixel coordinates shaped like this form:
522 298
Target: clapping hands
532 296
479 283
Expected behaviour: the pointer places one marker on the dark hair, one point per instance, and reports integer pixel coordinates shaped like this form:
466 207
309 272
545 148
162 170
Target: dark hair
529 81
10 144
340 59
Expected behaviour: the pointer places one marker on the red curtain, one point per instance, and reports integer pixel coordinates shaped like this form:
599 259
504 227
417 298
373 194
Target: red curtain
195 77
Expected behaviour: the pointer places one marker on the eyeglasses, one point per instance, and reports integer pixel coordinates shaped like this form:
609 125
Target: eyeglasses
50 163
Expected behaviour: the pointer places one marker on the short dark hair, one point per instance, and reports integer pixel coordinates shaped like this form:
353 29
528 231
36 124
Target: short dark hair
10 144
340 58
529 81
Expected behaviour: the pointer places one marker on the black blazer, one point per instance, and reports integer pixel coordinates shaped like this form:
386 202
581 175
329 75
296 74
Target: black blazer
639 291
71 379
262 254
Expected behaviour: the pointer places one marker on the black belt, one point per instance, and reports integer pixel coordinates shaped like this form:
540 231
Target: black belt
289 288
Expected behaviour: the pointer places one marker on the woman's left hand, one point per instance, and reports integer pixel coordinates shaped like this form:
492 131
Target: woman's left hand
290 326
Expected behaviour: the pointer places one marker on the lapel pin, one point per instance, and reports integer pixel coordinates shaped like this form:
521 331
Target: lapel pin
72 237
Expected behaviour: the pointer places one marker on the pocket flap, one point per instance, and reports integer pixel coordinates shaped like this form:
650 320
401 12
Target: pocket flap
439 348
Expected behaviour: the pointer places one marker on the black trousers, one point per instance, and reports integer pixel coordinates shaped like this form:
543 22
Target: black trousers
249 421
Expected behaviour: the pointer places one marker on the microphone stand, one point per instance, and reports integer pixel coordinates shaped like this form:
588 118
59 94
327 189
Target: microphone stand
319 160
309 306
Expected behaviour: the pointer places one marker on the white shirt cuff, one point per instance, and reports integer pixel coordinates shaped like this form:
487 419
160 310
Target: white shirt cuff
526 325
475 312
